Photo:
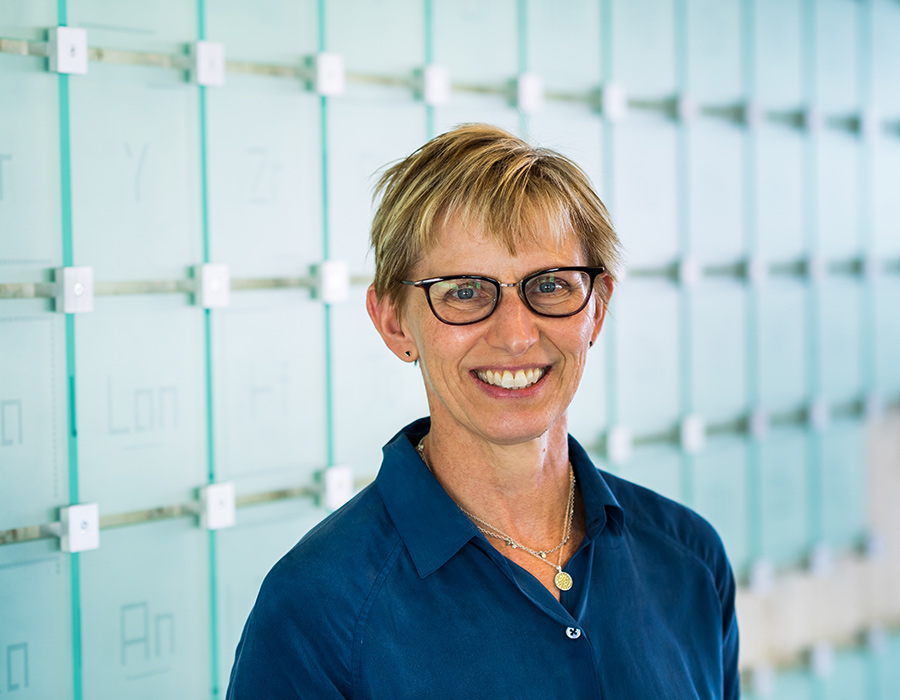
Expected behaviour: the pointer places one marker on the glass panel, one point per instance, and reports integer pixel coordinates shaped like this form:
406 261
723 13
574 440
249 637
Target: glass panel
714 50
779 183
838 224
161 25
476 40
887 335
564 47
716 190
644 171
270 31
782 345
356 159
719 348
135 173
245 555
844 484
779 53
793 685
783 462
720 478
269 390
264 177
836 43
646 316
33 416
839 310
644 48
849 678
145 613
886 210
384 37
365 420
35 622
657 468
141 402
29 168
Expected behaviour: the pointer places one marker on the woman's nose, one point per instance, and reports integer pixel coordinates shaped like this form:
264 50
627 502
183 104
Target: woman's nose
513 326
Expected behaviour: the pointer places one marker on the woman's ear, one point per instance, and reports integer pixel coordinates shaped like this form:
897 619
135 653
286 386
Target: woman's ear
600 308
389 325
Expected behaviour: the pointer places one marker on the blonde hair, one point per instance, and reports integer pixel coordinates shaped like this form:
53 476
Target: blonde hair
516 193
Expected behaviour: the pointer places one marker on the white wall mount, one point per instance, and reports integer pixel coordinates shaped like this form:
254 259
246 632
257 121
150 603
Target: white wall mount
758 424
752 114
821 561
74 289
815 268
819 414
689 272
332 281
812 119
756 270
529 92
618 444
762 680
217 506
78 528
686 109
762 577
208 63
68 51
821 660
337 486
433 86
692 434
613 102
328 74
213 286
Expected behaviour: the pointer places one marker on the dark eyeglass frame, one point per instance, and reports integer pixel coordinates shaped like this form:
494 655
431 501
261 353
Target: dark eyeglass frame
426 285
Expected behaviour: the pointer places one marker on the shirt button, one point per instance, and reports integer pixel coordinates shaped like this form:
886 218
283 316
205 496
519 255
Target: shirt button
573 632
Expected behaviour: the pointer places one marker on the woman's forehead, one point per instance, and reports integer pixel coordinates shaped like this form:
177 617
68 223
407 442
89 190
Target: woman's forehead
466 245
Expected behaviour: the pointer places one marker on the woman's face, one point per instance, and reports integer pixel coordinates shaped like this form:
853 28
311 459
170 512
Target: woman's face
462 365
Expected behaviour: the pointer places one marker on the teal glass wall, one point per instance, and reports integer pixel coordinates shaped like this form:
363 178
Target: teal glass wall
753 178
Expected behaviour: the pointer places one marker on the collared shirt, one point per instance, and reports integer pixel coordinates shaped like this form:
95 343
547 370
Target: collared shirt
398 595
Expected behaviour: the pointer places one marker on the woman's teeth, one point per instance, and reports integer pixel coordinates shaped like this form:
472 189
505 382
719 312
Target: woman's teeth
511 380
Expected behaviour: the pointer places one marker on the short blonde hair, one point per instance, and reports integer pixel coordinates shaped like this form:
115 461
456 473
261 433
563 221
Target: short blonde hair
516 192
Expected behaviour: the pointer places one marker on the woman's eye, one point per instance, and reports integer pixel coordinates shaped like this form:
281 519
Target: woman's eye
547 286
464 293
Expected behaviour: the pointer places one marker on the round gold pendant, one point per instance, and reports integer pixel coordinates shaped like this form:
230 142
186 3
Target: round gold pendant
563 581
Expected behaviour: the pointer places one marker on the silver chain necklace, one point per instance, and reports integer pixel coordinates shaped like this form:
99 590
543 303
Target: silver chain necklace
562 580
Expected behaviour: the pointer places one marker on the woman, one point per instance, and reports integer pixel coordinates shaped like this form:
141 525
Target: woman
490 558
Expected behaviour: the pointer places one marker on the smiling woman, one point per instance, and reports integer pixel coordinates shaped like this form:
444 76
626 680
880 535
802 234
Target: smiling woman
490 558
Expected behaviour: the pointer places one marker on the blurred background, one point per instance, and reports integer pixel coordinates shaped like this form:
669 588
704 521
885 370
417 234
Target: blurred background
185 194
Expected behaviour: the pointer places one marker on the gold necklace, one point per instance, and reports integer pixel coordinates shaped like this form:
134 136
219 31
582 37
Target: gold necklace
563 581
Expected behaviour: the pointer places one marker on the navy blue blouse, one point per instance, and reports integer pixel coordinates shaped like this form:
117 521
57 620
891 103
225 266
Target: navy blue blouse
398 595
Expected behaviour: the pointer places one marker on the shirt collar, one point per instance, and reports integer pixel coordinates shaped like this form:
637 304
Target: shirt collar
432 526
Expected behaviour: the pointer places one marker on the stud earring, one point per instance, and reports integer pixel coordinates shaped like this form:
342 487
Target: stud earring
407 354
590 343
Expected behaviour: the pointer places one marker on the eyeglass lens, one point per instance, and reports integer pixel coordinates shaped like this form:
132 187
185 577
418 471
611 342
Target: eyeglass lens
467 300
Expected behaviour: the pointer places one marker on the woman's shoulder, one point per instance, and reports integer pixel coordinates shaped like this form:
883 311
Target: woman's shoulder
651 515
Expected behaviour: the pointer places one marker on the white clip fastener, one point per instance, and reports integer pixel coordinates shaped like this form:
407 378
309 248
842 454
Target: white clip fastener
529 93
68 51
208 63
332 281
78 528
434 85
213 285
217 506
618 444
74 289
337 486
328 73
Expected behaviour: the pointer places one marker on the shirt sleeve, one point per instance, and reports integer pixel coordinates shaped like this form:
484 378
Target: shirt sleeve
730 636
288 650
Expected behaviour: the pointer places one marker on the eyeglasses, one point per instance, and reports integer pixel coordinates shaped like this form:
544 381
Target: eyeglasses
463 299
